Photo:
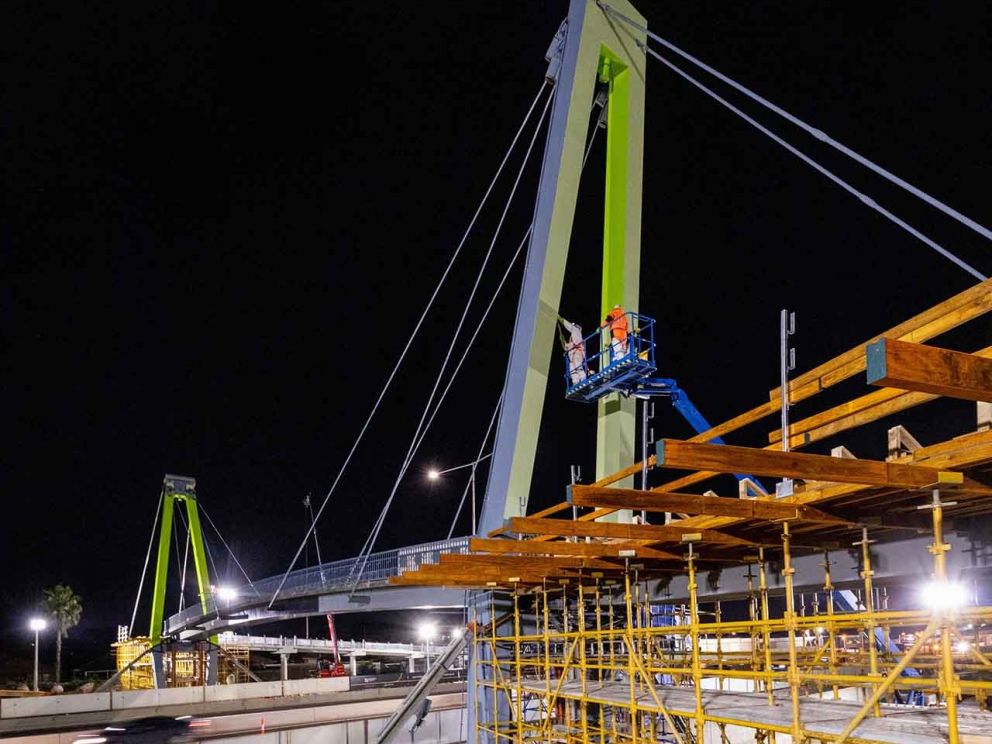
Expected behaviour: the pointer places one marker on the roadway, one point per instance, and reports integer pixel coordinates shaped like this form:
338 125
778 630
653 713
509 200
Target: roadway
352 716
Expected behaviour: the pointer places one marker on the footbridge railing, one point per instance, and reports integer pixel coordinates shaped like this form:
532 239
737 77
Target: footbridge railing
326 578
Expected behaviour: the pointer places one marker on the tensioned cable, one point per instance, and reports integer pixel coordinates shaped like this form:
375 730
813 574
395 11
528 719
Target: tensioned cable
418 436
499 403
409 343
182 582
144 571
809 129
175 539
228 547
475 463
867 200
206 547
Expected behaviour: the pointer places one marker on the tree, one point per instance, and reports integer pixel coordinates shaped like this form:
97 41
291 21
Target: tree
65 607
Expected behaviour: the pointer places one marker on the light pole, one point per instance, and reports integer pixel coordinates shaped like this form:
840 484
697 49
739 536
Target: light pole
434 474
36 624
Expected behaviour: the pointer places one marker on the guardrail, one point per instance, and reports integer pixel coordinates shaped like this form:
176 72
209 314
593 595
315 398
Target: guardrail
344 647
336 576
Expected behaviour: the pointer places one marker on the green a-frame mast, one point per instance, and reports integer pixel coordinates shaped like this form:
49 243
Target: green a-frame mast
181 490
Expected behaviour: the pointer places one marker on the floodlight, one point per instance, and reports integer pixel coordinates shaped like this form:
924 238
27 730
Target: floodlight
944 595
427 631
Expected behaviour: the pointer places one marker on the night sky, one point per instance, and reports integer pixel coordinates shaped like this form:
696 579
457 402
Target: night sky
220 221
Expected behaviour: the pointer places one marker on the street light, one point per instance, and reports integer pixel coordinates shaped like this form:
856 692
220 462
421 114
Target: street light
427 632
434 474
37 624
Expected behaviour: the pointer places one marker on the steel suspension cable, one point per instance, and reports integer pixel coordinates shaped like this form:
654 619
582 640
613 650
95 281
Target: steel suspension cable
182 581
228 548
419 435
865 199
499 403
808 128
144 570
409 343
475 463
414 444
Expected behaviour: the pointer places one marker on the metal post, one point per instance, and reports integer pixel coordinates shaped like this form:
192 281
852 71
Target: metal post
790 624
948 680
765 634
787 362
632 701
828 590
647 413
517 666
697 670
866 574
36 660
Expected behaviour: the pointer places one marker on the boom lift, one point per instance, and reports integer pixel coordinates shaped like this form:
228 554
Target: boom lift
629 372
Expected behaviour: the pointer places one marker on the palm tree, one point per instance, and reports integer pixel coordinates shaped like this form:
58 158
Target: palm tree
65 607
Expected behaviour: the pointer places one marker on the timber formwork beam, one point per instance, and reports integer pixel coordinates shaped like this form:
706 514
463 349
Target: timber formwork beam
654 533
693 504
624 549
929 369
674 453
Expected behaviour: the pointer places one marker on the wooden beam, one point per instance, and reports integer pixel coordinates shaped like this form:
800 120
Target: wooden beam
968 305
728 459
654 533
590 550
418 579
525 563
690 503
928 369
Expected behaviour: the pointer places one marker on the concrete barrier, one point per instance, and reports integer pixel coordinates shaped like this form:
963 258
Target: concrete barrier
315 686
242 691
134 699
155 698
53 705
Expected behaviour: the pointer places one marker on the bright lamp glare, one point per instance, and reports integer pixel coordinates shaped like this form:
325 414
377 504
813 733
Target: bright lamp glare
433 474
962 647
227 593
427 631
457 632
37 623
941 595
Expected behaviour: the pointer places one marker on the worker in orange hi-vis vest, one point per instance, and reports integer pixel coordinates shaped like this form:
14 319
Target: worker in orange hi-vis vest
617 321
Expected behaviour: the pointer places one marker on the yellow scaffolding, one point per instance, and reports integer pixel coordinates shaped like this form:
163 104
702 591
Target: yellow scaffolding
584 664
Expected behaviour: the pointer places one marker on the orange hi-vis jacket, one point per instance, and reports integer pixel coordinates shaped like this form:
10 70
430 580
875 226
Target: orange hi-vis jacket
618 324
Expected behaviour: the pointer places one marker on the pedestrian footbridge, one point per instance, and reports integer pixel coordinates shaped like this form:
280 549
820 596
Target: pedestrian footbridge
327 588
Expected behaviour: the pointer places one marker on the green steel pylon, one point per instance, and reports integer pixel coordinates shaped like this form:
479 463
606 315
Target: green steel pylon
182 489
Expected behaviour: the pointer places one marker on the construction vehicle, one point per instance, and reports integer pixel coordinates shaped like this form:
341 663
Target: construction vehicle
334 668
